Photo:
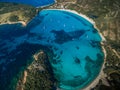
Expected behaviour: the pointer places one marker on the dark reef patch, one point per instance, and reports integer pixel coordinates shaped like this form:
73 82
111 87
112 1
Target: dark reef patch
62 36
77 60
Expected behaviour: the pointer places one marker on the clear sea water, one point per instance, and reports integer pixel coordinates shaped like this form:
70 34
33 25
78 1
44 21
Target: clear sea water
36 3
74 41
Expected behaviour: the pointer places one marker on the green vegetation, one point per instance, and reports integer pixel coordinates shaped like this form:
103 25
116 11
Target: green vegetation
12 12
39 74
14 18
112 70
106 16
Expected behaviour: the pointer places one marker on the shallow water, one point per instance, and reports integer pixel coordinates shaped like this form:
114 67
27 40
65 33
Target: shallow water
75 42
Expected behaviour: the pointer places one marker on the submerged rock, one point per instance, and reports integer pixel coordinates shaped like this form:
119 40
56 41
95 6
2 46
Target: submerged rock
73 67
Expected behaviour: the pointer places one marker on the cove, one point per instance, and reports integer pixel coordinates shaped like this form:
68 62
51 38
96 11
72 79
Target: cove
35 3
77 54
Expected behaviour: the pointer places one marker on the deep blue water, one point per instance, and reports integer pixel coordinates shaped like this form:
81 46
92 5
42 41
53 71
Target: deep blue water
74 41
35 3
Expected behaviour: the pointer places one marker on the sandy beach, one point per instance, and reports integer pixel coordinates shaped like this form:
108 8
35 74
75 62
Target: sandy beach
101 74
22 22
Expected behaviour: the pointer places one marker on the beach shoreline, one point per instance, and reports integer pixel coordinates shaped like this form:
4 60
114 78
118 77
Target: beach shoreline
21 22
101 73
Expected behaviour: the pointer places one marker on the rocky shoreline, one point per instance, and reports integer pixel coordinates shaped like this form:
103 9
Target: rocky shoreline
108 27
38 74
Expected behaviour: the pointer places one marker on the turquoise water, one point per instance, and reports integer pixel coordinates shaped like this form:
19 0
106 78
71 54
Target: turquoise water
74 41
76 45
35 3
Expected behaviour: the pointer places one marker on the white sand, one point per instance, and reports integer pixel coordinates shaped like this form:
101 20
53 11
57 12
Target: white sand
22 22
101 74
